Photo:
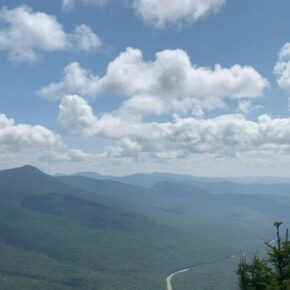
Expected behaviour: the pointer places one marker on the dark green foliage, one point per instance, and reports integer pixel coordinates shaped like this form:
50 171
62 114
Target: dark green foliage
271 273
255 275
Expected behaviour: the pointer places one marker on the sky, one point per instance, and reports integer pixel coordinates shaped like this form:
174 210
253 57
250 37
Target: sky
199 87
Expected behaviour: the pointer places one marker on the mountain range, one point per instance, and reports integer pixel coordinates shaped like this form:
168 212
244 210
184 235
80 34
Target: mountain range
86 231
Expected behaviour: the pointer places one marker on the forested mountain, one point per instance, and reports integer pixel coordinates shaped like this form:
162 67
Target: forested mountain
73 232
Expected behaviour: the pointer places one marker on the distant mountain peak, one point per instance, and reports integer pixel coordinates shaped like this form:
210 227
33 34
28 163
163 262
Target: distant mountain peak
25 170
28 167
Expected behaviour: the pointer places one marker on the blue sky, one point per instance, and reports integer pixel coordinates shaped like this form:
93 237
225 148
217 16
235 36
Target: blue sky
163 106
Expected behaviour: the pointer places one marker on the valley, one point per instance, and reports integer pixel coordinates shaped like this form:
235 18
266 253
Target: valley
75 232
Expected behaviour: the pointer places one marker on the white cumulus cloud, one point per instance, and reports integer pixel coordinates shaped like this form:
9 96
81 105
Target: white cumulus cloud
76 115
69 4
282 68
25 34
225 135
245 107
161 13
34 144
24 136
84 39
76 81
170 83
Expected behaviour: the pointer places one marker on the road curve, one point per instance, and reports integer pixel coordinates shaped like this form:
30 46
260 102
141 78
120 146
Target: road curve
169 278
234 255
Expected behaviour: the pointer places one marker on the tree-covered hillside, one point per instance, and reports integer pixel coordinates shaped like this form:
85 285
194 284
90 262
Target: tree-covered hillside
81 233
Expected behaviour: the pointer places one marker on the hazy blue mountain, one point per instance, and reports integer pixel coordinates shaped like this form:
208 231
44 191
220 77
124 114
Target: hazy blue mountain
255 188
198 197
241 180
102 186
18 182
142 179
64 237
93 175
245 185
75 232
259 179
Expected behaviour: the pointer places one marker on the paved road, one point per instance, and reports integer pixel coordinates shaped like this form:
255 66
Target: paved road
169 278
234 255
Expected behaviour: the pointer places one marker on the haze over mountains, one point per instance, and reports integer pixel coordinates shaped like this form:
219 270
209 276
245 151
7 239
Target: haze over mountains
214 185
78 232
157 176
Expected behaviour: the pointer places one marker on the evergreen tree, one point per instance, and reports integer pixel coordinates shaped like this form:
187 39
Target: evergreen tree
244 279
272 273
279 255
255 275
